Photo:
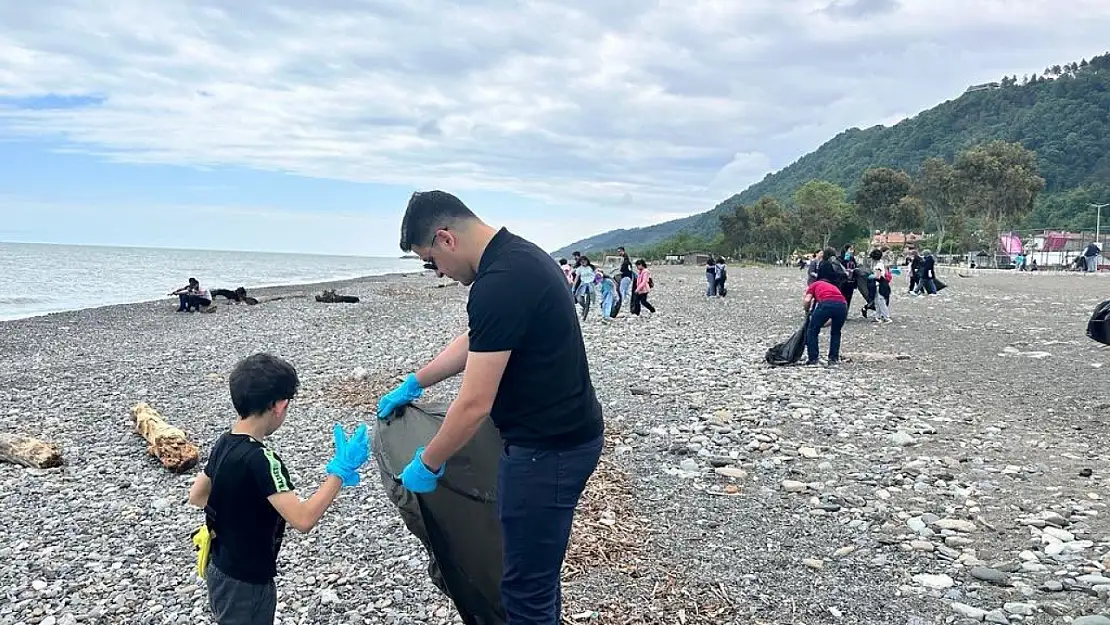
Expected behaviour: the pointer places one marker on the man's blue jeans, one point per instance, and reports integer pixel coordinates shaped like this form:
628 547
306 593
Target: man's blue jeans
838 313
537 492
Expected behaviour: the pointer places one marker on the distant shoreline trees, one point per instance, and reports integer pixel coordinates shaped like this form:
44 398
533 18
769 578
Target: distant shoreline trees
987 189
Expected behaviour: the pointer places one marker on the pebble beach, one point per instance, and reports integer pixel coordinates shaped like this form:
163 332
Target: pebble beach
954 470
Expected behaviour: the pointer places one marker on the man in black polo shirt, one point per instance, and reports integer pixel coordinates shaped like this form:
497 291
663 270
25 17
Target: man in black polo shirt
526 368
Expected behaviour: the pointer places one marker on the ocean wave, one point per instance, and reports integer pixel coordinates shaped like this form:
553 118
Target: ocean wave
21 300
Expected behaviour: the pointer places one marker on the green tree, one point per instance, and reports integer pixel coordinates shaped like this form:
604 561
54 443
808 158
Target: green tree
910 213
774 229
935 188
997 184
736 228
881 189
822 211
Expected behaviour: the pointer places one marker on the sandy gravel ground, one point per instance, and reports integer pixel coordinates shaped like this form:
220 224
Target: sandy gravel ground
953 471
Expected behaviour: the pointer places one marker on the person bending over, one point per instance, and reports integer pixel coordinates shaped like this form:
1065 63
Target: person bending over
825 303
526 369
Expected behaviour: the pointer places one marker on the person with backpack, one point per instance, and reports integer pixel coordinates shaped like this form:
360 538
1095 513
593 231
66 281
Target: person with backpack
644 285
720 272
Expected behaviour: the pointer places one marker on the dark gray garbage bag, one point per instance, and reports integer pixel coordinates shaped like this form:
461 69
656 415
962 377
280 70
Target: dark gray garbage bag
457 522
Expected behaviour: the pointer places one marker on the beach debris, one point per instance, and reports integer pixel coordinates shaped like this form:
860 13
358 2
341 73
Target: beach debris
29 452
165 442
331 297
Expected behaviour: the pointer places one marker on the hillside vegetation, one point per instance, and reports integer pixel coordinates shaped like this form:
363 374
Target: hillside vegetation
1062 116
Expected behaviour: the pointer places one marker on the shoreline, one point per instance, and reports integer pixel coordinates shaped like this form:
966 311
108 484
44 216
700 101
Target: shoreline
254 291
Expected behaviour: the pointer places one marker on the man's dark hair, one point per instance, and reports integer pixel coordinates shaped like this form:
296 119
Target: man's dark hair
576 253
193 281
427 212
259 381
562 261
876 255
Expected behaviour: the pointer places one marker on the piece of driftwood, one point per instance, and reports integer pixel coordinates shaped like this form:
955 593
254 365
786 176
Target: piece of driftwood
164 441
330 297
29 452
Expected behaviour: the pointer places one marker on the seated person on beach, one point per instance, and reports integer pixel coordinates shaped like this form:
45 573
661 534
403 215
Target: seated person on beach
247 495
192 296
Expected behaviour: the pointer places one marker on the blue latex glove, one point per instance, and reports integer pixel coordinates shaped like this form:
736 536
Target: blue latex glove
408 392
417 477
350 454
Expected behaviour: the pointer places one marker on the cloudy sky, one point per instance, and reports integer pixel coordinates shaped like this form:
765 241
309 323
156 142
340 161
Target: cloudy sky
304 126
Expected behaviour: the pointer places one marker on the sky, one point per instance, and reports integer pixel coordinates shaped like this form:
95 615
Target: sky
305 126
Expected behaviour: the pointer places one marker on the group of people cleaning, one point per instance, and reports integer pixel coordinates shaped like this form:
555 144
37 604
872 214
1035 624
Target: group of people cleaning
632 283
833 278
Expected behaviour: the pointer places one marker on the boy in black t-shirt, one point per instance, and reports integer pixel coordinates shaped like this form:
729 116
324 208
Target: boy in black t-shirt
248 497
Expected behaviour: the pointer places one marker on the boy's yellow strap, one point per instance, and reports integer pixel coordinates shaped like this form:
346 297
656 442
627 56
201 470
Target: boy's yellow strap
202 540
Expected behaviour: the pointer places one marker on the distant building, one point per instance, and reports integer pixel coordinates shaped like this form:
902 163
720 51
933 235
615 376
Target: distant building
695 258
987 86
895 239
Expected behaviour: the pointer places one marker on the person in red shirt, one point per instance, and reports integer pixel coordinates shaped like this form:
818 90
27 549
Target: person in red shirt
824 302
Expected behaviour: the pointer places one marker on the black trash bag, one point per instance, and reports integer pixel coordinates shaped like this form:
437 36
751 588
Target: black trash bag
1098 328
940 285
789 351
457 522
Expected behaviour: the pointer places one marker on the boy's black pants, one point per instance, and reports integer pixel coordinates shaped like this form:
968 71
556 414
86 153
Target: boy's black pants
234 602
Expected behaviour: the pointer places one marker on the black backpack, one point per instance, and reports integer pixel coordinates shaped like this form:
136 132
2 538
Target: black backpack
1098 328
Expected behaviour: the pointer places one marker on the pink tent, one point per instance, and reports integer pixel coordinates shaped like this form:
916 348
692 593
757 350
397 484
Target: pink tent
1055 242
1011 243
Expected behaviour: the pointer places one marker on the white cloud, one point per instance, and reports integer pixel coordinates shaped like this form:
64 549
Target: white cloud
651 108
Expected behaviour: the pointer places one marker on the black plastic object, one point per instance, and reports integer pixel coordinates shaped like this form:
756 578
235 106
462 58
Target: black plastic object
1098 328
457 522
789 351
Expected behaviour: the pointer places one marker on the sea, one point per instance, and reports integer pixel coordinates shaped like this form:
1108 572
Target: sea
38 279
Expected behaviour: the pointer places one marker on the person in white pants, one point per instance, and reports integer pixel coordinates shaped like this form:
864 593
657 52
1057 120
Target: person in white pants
882 292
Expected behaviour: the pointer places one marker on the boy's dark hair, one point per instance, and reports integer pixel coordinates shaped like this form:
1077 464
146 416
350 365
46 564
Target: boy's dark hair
193 281
562 261
876 255
576 253
259 381
640 263
829 253
427 212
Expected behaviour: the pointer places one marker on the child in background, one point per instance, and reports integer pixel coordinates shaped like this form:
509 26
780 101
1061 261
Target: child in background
568 272
248 497
644 284
608 297
882 278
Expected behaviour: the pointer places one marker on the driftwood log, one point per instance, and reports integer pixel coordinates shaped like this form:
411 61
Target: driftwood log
29 452
330 297
164 441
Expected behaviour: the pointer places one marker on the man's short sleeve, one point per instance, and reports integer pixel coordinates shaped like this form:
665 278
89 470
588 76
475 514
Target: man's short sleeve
498 310
269 472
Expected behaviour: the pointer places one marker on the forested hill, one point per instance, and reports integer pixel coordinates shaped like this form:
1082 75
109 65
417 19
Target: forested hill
1062 115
